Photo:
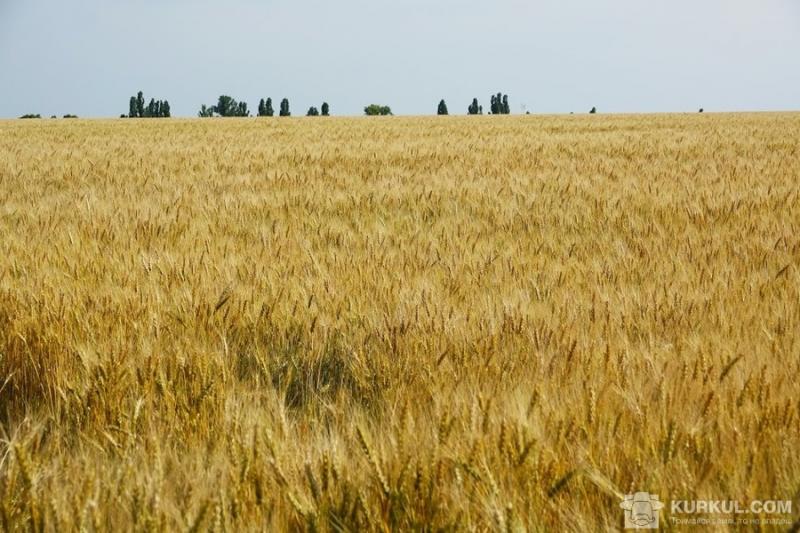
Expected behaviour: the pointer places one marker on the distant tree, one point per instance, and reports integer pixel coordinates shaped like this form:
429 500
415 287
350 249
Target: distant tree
155 109
31 115
500 104
53 116
474 108
226 106
442 108
312 112
285 112
265 108
375 110
140 104
701 110
123 115
326 109
69 116
593 111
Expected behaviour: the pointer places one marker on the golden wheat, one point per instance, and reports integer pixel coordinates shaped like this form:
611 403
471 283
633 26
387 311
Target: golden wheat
469 323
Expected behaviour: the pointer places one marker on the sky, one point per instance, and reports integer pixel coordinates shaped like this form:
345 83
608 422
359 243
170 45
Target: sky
87 57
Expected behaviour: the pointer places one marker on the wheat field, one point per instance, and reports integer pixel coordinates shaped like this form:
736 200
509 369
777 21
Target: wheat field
399 324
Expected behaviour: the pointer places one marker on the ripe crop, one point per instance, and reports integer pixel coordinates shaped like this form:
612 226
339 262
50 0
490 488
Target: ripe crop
491 323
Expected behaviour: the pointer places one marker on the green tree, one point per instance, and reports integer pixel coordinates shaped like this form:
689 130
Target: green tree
285 112
226 106
474 108
262 108
241 110
205 112
499 105
155 109
375 110
149 111
442 108
140 104
268 110
593 111
326 109
312 112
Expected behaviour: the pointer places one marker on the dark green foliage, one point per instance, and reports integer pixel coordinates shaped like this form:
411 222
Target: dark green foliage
500 104
140 104
375 110
265 108
226 107
701 110
474 108
31 115
312 112
593 111
155 109
326 109
442 108
285 112
70 116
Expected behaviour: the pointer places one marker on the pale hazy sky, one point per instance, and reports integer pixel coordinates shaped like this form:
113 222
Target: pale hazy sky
88 57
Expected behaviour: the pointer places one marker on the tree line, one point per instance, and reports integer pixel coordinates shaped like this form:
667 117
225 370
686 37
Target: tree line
155 109
37 115
227 106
